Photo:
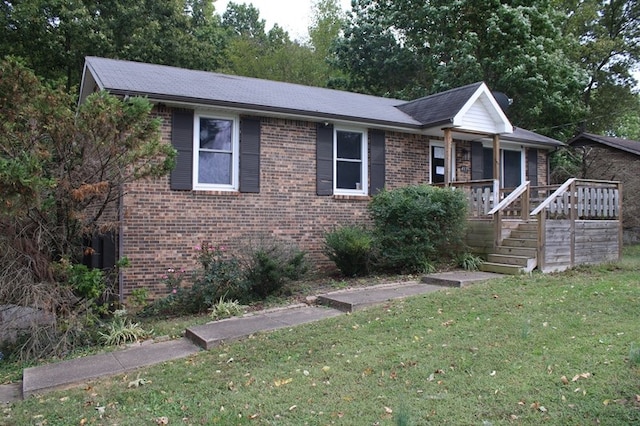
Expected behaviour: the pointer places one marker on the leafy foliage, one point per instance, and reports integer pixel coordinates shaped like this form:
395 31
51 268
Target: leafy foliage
351 249
405 50
417 226
62 170
269 264
225 309
121 330
220 276
607 47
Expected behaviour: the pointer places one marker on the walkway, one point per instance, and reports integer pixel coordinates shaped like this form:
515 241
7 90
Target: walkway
37 380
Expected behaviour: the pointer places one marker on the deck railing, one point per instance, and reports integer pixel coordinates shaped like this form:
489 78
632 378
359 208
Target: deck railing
520 197
482 196
578 199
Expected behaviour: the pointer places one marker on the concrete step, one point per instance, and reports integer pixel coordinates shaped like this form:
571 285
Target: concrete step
500 268
457 278
215 333
516 251
520 242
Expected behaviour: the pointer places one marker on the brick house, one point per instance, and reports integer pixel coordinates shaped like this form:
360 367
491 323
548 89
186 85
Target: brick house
259 157
610 158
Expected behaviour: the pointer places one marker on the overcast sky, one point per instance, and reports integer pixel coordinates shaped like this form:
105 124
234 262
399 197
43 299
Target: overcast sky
292 15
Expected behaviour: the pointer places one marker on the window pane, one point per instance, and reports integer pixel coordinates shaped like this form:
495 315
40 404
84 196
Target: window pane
348 175
349 145
214 168
438 152
215 134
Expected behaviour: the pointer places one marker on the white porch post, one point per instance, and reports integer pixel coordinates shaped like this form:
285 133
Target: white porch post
496 167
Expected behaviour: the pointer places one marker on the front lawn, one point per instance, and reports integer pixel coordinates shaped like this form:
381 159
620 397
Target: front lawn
544 349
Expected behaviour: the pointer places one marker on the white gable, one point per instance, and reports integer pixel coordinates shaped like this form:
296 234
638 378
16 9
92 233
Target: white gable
482 114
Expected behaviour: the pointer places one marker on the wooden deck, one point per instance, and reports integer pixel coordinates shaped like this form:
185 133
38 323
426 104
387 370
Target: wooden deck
578 222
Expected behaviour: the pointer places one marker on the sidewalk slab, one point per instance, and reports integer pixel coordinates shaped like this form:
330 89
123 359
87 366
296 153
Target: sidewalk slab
355 299
52 376
155 353
10 393
459 278
215 333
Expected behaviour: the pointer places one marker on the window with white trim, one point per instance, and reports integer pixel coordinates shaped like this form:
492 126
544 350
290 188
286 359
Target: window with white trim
350 156
215 153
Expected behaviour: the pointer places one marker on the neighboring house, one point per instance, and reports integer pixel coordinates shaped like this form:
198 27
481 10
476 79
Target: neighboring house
260 157
609 158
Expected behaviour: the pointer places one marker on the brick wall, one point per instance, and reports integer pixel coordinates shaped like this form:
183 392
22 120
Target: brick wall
161 226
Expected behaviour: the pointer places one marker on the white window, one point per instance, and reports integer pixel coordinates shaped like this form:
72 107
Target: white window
215 153
350 154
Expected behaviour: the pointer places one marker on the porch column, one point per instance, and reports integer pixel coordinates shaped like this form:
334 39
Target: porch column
496 167
448 143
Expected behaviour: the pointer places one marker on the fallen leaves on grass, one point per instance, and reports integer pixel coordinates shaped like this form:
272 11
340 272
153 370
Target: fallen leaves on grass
282 382
581 376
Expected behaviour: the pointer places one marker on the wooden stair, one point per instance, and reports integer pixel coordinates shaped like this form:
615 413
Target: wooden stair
517 254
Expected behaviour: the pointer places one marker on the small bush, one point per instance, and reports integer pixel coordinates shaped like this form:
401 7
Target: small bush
469 262
226 309
121 331
417 226
220 276
350 248
268 265
86 283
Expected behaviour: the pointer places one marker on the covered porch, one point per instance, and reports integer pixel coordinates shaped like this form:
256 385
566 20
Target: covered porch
517 221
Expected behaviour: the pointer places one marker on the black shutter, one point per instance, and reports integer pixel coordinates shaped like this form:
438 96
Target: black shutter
250 155
324 159
376 145
532 166
477 161
182 141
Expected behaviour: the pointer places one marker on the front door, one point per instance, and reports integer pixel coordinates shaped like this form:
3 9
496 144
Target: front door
511 173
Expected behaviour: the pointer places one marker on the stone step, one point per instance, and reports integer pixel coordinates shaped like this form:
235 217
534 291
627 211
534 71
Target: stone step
520 242
500 268
516 251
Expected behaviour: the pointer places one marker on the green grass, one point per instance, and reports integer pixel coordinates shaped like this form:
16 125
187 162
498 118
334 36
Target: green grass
505 352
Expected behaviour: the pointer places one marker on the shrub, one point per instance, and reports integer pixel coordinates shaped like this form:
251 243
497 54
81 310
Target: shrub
225 309
417 226
268 264
86 283
121 331
468 261
350 248
220 276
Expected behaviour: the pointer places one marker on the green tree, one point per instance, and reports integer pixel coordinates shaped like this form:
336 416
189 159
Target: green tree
607 47
54 36
62 168
327 20
404 49
254 52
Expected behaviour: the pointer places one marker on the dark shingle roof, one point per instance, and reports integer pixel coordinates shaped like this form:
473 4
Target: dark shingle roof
618 143
177 84
440 108
526 136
